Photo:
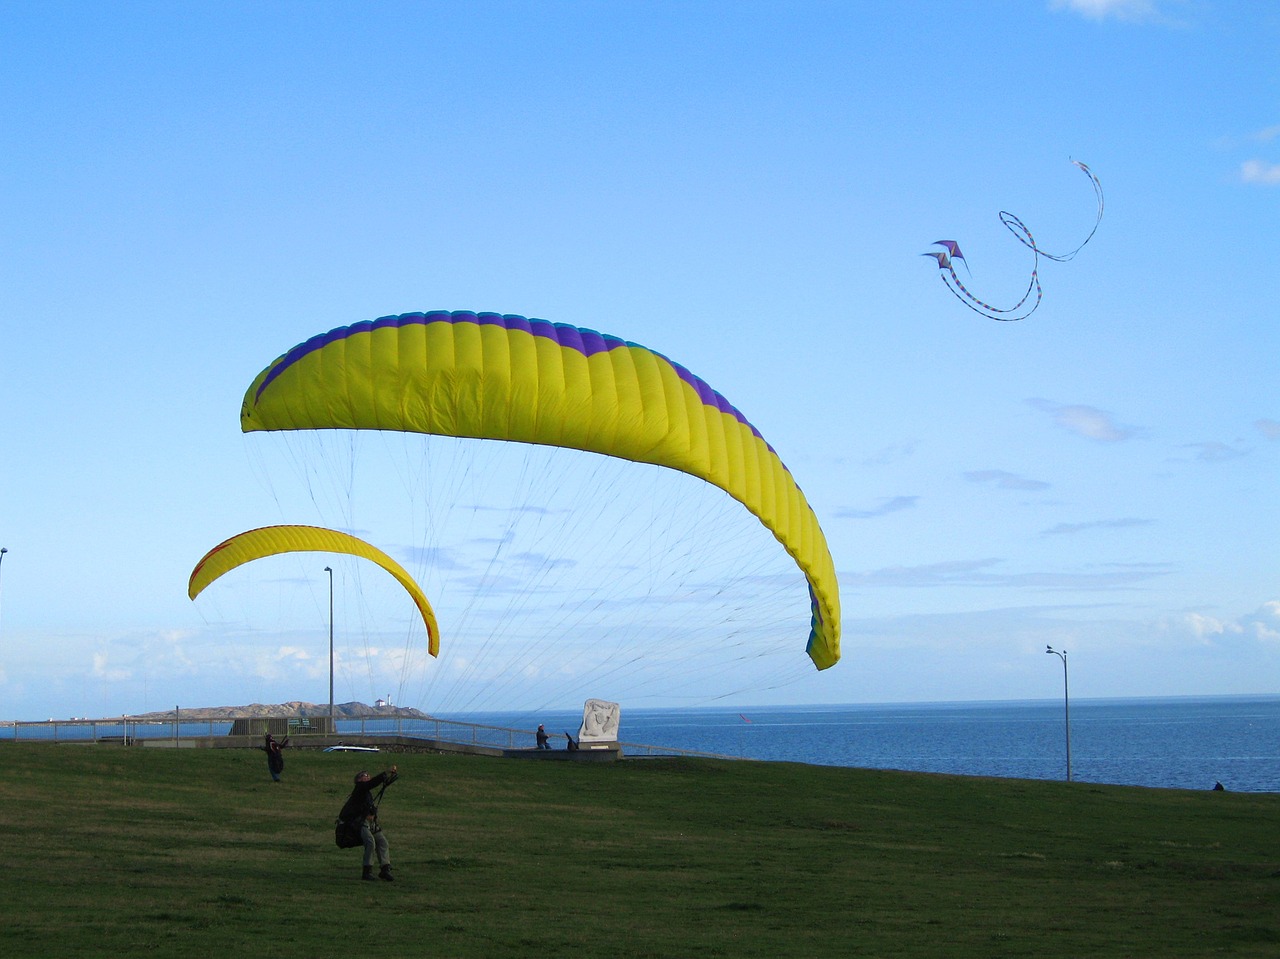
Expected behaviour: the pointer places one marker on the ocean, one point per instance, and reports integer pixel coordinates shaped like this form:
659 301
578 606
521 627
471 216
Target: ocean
1184 743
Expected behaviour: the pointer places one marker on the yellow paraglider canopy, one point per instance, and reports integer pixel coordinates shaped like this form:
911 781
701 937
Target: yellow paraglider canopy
505 377
272 540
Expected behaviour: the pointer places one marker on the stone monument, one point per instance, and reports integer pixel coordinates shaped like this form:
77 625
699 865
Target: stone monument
600 720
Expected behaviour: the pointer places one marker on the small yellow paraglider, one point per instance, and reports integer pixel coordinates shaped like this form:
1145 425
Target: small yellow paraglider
272 540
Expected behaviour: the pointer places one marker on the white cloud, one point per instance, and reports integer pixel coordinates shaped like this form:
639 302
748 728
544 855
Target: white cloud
928 575
1265 623
980 573
1262 625
1268 133
1064 528
1003 479
891 454
1086 421
1202 627
890 505
542 561
101 669
1268 428
1255 171
436 557
1214 451
1132 10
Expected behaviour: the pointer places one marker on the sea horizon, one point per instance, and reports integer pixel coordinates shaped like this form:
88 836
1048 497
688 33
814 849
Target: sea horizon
1190 742
466 715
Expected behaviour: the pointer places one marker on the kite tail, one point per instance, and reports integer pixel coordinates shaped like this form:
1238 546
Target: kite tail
986 309
1024 235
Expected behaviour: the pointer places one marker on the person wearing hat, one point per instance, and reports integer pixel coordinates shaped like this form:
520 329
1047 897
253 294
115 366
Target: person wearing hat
362 807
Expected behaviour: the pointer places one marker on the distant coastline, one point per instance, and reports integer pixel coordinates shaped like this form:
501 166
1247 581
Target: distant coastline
358 710
352 710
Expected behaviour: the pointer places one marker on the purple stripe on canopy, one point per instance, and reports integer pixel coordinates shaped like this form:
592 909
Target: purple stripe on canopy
586 342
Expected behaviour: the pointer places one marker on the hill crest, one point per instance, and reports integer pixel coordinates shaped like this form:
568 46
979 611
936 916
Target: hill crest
352 710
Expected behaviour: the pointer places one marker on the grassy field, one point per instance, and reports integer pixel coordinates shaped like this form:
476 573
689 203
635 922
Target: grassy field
112 851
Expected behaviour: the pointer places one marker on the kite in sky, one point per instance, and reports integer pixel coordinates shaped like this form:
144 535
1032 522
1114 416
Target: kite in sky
946 262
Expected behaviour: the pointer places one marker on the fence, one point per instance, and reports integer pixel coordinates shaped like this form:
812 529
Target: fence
129 731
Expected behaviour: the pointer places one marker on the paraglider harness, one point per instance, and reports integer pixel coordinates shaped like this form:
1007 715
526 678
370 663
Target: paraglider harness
347 834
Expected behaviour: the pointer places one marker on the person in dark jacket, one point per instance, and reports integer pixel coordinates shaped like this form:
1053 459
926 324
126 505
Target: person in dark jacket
542 737
361 807
275 758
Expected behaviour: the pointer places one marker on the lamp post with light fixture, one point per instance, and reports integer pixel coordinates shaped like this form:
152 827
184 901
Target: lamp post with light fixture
3 550
1066 700
332 728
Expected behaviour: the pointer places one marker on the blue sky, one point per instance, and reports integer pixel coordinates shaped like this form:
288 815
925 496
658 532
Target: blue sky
189 190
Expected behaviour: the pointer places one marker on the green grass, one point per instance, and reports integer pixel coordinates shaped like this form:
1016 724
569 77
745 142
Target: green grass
109 851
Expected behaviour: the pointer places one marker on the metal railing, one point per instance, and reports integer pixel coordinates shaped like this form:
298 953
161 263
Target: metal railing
124 730
131 731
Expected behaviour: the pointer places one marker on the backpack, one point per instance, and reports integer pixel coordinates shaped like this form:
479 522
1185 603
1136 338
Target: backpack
347 834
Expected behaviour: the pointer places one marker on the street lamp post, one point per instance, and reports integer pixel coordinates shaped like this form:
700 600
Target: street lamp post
329 570
3 550
1066 701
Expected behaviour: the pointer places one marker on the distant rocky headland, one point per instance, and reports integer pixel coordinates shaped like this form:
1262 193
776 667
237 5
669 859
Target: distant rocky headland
299 709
